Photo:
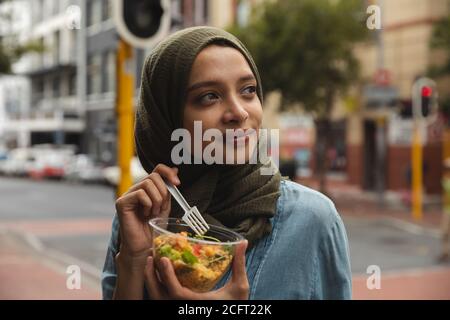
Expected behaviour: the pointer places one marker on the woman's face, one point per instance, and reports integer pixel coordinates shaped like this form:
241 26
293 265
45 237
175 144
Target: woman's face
221 93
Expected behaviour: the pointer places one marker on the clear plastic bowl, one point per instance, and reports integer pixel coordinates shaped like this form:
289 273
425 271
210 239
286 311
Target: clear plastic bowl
198 263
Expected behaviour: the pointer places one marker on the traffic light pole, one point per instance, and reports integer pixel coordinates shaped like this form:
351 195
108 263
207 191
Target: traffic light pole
416 166
125 114
417 149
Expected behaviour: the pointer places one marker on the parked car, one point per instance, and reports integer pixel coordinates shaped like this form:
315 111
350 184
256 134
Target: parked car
82 169
112 174
16 162
49 163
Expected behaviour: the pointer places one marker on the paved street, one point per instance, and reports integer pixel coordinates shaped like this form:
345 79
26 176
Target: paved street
68 224
47 226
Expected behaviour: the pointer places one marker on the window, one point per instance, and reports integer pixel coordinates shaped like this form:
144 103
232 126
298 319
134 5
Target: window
93 74
41 55
38 91
72 83
109 72
56 86
56 43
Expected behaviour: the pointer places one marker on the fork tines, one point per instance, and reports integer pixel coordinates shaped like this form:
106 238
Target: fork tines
194 219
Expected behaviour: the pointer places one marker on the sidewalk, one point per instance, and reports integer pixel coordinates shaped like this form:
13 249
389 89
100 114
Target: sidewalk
352 201
429 284
26 274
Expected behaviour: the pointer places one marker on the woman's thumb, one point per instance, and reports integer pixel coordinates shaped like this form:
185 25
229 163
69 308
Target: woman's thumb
239 272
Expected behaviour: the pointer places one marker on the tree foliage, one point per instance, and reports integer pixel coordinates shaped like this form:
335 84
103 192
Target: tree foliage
11 49
304 48
440 39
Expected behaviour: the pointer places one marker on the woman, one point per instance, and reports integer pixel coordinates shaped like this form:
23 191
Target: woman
297 245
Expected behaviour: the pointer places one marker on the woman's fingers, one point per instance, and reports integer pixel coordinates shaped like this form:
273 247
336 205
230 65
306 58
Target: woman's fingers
152 191
238 287
171 283
169 278
160 185
239 275
155 290
136 198
156 189
170 174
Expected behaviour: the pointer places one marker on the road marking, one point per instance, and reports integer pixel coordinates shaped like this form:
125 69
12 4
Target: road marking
406 226
61 227
411 227
55 259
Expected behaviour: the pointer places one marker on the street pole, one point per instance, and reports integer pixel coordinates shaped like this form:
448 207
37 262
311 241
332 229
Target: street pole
416 148
417 171
125 115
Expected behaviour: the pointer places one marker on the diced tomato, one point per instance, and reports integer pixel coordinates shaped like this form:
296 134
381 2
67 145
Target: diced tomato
197 248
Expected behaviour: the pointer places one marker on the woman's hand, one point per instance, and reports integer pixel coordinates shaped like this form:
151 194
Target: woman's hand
147 199
170 288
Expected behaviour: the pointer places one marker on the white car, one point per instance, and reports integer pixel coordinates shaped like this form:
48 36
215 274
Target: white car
82 169
48 163
16 162
112 174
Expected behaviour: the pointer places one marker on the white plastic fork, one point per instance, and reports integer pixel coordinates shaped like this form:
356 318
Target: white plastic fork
192 216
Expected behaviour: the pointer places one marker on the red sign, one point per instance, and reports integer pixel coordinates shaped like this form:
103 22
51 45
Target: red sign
382 77
296 137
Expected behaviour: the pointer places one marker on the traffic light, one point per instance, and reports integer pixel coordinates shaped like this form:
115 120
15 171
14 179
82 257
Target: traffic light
142 23
426 94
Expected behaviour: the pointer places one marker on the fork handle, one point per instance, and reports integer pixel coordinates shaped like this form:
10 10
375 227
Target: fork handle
177 195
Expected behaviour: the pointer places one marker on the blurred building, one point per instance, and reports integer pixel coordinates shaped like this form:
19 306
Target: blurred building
14 89
379 130
372 127
55 114
99 42
14 107
72 83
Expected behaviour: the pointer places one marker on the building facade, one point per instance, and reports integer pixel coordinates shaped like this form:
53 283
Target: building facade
69 88
379 135
99 69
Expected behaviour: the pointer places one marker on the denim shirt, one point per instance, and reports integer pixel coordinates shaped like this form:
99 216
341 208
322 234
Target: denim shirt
306 256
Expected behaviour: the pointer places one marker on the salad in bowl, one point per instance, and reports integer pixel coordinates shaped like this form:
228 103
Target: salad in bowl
199 261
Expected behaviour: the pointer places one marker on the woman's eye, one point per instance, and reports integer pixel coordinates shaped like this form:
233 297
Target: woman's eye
208 98
249 90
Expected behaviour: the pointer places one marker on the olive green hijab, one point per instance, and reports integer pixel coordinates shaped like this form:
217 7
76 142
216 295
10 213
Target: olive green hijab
236 196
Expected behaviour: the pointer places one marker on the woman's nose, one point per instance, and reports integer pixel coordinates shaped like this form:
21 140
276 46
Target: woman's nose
235 112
